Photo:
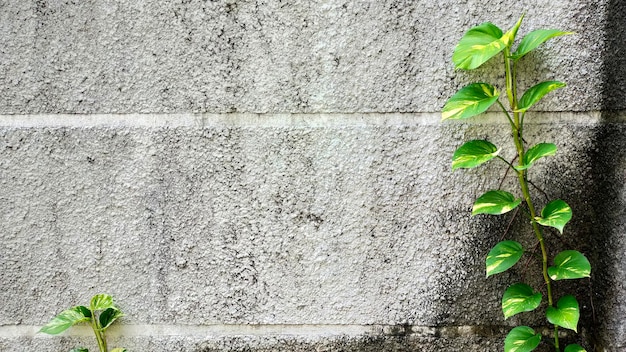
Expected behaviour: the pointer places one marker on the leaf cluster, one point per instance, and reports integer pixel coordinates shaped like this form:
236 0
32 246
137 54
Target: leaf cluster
477 46
101 313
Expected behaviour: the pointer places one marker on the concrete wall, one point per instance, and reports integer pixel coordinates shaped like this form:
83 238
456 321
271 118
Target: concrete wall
263 176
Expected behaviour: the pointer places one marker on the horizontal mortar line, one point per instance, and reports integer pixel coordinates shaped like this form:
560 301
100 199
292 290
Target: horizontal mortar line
203 330
281 120
229 330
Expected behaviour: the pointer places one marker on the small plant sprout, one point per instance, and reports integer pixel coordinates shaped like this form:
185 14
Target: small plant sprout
100 314
477 46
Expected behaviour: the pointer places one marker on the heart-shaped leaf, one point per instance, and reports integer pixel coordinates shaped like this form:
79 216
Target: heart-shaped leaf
495 203
503 256
535 38
555 214
521 339
535 93
469 101
478 45
101 302
66 319
565 314
535 153
473 153
519 298
108 316
569 265
574 348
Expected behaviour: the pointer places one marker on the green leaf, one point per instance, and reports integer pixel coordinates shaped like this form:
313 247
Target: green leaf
495 203
536 93
473 153
469 101
108 316
521 339
84 310
519 298
65 320
555 214
535 153
503 256
118 349
535 38
574 348
101 302
80 349
509 37
569 265
478 45
565 314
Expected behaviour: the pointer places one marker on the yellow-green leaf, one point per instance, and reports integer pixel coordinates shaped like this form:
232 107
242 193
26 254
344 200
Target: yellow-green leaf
478 45
108 316
574 348
503 256
536 93
565 314
473 153
569 265
535 38
509 36
495 203
101 302
535 153
66 319
519 298
521 339
555 214
470 101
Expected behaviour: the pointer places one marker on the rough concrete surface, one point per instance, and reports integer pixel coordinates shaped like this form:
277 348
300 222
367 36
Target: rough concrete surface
235 225
273 56
272 166
352 224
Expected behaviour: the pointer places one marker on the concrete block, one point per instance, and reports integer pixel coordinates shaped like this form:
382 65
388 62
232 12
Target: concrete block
360 222
155 56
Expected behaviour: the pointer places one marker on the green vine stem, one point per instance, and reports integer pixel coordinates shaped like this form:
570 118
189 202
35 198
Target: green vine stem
516 131
97 330
479 45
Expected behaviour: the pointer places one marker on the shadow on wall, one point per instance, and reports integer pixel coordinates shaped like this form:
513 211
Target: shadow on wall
608 158
604 241
614 70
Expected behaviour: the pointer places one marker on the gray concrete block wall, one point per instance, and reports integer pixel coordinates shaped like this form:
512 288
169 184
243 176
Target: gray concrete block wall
155 56
273 176
289 230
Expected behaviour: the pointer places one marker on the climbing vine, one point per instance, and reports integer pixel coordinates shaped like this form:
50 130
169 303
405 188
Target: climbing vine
479 45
